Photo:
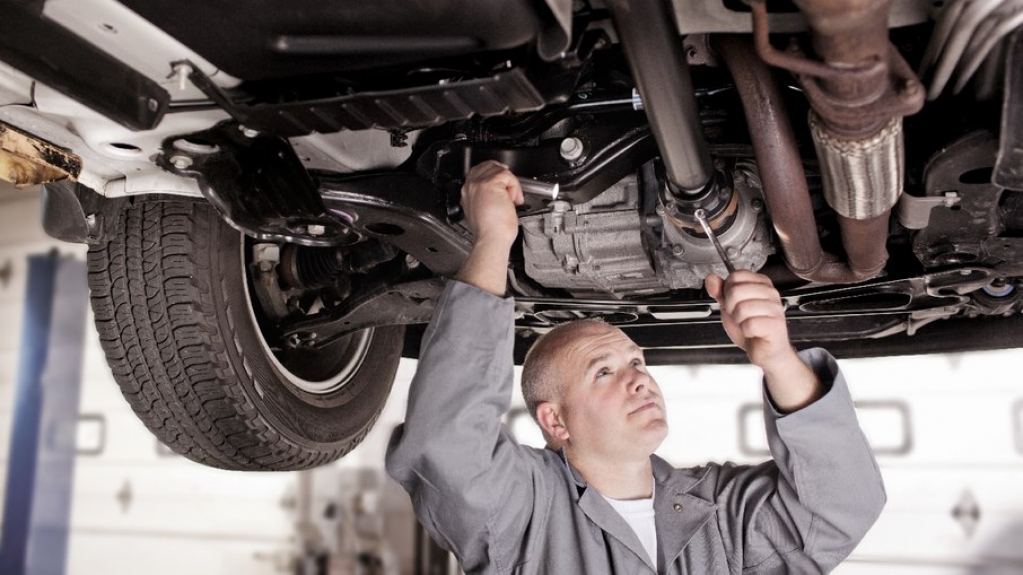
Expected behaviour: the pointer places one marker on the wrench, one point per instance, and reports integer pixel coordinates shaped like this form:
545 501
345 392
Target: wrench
701 216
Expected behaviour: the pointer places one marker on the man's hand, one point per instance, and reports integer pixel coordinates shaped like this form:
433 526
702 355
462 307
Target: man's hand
753 314
489 197
754 318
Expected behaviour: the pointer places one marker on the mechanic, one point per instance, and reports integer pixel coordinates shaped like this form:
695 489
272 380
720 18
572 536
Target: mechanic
596 500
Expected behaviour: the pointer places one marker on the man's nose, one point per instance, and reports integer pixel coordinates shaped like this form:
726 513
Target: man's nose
638 380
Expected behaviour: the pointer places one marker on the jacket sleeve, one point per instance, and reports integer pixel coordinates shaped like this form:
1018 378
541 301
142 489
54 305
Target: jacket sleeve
811 506
473 488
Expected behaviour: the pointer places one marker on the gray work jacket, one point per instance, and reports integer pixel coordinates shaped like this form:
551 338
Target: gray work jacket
501 507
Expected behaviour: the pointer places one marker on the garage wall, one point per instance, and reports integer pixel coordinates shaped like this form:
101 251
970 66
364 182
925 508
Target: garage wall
17 240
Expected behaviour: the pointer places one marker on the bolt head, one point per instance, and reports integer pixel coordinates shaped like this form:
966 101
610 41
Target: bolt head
411 262
181 162
316 230
732 252
571 149
677 249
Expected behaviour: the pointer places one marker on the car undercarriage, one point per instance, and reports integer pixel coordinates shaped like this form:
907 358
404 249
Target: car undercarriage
270 195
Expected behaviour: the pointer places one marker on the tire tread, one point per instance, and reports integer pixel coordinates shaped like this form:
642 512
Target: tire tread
157 321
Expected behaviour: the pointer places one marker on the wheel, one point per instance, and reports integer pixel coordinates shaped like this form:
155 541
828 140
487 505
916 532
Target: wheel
175 315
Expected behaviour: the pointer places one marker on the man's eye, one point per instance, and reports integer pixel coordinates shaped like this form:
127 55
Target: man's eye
637 362
603 371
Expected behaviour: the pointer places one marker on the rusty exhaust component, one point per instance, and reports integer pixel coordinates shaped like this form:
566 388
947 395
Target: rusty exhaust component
859 90
785 189
861 81
28 161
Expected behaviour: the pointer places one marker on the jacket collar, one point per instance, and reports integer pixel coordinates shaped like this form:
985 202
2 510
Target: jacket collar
678 514
664 474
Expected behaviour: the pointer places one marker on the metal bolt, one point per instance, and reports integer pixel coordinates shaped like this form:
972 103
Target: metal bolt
732 252
659 210
669 206
266 253
411 262
756 204
153 105
572 149
266 266
316 230
677 249
560 206
181 162
181 73
637 100
248 132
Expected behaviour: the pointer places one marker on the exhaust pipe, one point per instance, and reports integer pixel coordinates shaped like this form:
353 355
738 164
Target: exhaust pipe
859 90
784 181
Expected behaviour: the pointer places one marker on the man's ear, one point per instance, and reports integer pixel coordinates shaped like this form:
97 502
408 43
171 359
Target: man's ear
552 421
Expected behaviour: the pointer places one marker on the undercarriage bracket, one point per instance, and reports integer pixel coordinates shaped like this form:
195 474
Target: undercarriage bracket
257 183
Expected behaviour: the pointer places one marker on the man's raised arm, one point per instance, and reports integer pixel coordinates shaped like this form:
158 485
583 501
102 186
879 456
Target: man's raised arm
828 491
754 318
472 487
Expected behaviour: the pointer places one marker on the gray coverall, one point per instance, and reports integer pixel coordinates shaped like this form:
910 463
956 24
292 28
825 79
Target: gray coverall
501 507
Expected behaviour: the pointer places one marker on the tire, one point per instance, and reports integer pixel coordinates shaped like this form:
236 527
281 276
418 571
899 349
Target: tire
173 311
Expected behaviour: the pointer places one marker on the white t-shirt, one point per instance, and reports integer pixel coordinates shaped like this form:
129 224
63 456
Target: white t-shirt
639 514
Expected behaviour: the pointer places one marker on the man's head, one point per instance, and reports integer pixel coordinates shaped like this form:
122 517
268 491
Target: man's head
586 385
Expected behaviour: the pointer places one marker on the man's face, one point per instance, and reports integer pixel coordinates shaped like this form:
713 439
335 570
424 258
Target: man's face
610 405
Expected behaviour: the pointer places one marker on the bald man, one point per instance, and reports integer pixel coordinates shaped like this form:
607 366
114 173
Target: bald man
596 500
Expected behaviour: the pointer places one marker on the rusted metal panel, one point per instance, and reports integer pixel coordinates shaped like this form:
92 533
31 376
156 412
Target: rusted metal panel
28 161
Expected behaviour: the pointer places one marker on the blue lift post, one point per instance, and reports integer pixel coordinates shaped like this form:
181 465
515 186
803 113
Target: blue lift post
40 472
